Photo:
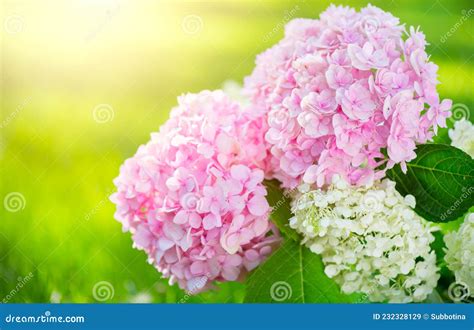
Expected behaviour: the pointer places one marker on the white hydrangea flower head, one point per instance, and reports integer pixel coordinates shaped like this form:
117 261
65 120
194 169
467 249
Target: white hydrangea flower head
462 136
370 240
460 252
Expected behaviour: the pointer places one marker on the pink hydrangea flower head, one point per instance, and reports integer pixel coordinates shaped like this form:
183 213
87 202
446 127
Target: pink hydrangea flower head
193 197
338 92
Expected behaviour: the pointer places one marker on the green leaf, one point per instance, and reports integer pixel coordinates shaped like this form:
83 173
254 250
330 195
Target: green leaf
438 246
441 178
281 209
294 274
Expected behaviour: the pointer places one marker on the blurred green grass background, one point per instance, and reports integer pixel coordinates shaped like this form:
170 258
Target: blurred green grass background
62 59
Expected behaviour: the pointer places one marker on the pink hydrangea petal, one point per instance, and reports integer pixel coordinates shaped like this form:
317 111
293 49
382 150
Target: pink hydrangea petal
195 220
165 244
258 206
230 242
230 273
240 172
181 217
233 260
211 221
142 237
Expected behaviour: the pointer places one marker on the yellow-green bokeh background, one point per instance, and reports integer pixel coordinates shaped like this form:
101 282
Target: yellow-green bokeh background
60 59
